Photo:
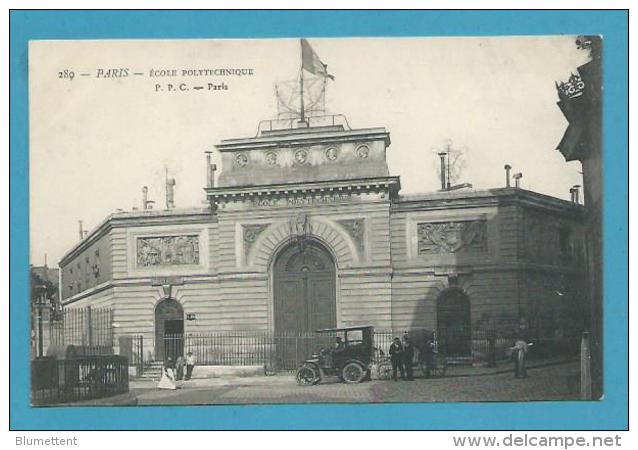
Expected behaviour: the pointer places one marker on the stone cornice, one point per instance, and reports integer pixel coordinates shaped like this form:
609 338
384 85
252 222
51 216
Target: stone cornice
491 197
87 292
358 185
308 137
97 233
134 219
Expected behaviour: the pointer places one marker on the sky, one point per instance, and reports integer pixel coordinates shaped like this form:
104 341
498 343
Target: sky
95 141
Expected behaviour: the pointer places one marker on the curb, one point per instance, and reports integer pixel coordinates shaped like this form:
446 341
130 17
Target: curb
510 370
127 399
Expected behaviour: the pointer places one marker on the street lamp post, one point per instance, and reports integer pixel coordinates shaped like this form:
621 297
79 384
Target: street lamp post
40 303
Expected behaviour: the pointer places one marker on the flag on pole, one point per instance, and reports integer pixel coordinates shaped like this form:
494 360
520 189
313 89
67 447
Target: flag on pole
311 62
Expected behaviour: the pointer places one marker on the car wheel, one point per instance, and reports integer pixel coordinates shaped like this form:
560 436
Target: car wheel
353 373
307 376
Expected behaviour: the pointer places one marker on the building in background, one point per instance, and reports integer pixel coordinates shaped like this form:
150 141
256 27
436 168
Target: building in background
580 100
45 305
307 229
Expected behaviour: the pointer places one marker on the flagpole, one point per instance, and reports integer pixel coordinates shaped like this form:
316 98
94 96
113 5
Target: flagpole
303 114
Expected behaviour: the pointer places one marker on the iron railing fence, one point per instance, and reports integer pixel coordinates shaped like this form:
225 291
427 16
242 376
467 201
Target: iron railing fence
276 352
87 327
132 347
286 351
56 381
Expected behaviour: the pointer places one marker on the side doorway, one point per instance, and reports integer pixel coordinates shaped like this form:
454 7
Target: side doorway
453 323
169 329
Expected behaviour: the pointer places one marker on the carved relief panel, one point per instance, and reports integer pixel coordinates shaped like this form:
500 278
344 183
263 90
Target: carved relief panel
356 230
167 250
468 236
250 234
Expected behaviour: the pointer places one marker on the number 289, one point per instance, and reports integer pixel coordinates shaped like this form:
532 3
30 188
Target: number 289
66 74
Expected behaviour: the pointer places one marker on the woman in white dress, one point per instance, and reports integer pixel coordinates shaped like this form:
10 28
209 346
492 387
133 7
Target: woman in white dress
168 376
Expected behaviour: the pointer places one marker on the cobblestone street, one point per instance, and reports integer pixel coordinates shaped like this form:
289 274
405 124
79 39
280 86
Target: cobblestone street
556 382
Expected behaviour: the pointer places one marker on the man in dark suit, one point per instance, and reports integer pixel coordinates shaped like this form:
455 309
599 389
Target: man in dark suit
396 356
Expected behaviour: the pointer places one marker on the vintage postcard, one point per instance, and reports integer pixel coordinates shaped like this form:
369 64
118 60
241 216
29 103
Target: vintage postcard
344 220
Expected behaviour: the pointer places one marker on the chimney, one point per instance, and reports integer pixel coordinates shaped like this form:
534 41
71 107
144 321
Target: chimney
209 172
575 191
507 168
80 229
442 156
517 179
144 197
170 193
86 233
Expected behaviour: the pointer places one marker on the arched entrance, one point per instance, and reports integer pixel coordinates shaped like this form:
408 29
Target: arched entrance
453 323
304 300
169 329
304 289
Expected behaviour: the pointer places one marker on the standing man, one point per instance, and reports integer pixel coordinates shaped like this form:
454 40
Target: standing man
396 356
190 364
408 357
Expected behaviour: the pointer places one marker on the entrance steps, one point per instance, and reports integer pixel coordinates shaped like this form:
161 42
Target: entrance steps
152 370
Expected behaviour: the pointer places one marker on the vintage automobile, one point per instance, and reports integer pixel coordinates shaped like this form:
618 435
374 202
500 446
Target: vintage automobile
350 360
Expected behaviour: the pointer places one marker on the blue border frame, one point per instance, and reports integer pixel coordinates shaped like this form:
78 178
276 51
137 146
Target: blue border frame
611 413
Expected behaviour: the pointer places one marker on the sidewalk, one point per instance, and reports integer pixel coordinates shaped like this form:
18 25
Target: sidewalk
126 399
229 381
287 379
504 366
548 380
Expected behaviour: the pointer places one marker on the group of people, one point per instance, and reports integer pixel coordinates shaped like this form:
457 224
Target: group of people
402 357
172 372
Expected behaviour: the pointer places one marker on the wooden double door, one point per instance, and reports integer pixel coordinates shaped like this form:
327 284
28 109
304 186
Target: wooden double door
304 301
304 289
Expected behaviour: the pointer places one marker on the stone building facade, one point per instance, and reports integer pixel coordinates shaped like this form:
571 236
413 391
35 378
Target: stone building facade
307 229
580 100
